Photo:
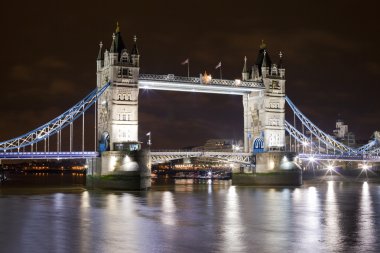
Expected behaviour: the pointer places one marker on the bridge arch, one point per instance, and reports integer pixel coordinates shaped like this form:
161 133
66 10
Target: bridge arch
104 142
258 145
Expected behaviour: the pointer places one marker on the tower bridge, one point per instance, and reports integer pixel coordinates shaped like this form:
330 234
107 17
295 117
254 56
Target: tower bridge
115 99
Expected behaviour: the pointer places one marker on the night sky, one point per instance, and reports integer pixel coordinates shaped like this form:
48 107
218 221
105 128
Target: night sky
331 54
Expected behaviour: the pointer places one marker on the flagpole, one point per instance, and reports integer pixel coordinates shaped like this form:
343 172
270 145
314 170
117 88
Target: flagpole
219 66
188 69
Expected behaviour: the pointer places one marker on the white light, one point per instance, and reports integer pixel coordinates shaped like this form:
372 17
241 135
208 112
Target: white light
330 167
311 159
237 81
271 164
284 159
365 167
304 143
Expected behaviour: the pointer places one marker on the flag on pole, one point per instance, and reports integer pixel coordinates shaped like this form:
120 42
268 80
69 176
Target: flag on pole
148 134
219 65
185 62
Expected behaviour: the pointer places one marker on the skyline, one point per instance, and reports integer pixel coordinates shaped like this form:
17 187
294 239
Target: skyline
53 56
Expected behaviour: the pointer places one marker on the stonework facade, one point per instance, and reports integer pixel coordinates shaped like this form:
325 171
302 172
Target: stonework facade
118 107
264 111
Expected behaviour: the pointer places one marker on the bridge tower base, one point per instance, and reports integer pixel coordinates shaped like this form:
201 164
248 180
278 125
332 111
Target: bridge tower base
120 170
272 168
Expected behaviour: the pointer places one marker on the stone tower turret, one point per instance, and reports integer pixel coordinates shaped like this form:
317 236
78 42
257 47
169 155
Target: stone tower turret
245 73
118 107
264 111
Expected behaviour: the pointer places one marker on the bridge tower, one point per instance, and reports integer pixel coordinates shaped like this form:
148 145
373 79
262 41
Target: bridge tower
264 111
264 126
118 107
117 117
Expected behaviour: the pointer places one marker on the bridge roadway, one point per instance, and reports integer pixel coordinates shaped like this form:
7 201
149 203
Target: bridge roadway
48 155
339 157
157 157
195 84
165 156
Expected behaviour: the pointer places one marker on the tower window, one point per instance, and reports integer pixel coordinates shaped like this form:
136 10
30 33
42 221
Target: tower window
124 57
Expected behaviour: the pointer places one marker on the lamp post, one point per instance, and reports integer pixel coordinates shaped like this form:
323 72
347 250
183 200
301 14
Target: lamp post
149 139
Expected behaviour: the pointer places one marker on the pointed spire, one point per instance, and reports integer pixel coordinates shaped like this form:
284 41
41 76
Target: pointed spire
280 63
100 54
135 50
113 48
117 30
262 45
263 60
264 63
245 74
117 41
245 65
255 72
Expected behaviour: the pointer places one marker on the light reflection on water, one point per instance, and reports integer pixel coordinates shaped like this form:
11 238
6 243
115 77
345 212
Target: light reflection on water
332 215
209 217
233 233
367 236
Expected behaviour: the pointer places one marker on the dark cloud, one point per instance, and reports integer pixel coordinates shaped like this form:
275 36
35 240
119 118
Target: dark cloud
51 63
20 73
61 88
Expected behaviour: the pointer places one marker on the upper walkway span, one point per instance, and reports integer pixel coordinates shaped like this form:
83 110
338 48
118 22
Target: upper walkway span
196 84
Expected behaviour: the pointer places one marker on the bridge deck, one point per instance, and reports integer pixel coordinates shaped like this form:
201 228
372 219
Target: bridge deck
165 156
194 84
340 157
48 155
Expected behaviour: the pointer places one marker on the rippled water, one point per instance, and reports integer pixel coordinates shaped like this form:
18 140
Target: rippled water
325 217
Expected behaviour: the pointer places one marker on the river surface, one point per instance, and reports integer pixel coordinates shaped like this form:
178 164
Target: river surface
205 217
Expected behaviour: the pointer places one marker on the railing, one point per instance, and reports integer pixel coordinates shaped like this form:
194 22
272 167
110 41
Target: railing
340 157
197 80
50 155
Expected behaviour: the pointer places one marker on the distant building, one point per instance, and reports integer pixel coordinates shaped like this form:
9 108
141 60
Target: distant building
341 134
221 145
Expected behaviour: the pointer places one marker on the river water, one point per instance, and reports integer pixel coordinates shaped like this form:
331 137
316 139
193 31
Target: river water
207 217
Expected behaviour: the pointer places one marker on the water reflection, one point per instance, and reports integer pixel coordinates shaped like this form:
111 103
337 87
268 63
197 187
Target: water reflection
232 229
326 217
332 229
85 221
312 232
168 209
366 231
